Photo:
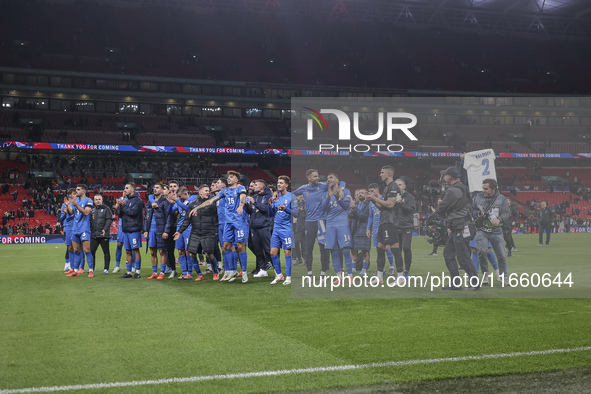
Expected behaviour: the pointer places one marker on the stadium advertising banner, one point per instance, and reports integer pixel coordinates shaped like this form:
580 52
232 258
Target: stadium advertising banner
138 148
44 239
322 151
371 131
31 239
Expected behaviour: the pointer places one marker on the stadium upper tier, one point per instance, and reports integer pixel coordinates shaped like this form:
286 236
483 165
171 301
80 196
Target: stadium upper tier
72 127
175 42
94 128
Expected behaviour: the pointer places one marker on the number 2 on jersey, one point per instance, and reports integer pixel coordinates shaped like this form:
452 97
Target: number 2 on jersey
486 171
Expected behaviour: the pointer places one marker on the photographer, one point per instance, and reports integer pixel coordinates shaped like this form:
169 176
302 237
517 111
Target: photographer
508 229
358 217
435 244
493 212
545 218
455 206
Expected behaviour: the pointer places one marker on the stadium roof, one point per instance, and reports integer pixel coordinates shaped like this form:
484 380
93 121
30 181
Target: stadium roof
544 18
564 8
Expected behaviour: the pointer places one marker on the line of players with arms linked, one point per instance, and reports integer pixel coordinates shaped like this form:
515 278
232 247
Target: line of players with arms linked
172 219
225 212
264 220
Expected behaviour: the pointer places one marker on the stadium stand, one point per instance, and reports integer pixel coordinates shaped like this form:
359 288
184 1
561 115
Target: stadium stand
99 38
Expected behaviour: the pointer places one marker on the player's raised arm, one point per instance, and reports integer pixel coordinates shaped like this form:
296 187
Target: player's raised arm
204 205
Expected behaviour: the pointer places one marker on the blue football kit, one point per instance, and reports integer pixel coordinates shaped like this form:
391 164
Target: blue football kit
282 234
338 235
182 207
235 229
81 222
282 231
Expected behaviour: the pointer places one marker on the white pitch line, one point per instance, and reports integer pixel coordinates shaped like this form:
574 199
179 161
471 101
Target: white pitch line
289 371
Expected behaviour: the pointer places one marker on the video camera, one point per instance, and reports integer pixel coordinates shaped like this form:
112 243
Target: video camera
434 188
436 230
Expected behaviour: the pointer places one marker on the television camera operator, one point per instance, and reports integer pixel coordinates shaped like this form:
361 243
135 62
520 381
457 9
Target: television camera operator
435 228
455 208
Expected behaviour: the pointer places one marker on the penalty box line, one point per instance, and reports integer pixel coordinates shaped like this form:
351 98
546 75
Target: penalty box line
290 371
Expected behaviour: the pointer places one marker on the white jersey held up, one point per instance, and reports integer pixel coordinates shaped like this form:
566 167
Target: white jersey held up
480 165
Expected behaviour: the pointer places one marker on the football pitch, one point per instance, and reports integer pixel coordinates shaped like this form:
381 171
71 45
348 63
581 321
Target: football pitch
111 335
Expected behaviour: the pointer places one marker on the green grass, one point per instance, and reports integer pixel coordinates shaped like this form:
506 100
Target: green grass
66 331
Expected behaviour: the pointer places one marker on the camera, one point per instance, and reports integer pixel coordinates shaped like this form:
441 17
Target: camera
434 188
436 230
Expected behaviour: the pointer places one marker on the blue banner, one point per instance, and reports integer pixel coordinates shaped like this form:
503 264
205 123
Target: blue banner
138 148
281 152
31 239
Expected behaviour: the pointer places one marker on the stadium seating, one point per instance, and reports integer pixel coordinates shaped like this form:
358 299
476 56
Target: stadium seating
101 38
11 164
252 172
554 198
7 204
72 127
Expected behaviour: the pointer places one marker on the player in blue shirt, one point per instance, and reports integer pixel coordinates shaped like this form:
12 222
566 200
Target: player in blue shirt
131 211
156 230
373 223
229 259
235 230
315 226
171 192
82 205
119 251
280 206
68 221
181 207
336 203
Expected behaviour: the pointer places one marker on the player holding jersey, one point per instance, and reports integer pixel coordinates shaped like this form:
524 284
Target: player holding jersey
235 230
81 207
336 202
68 221
281 238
